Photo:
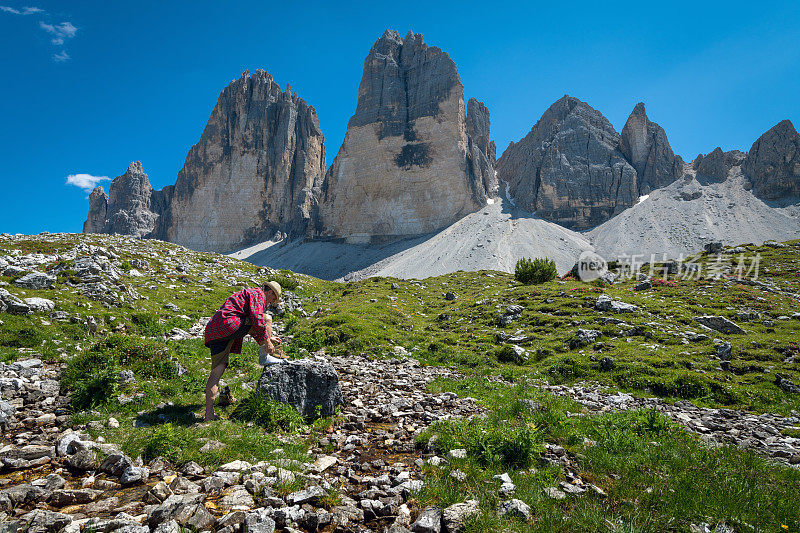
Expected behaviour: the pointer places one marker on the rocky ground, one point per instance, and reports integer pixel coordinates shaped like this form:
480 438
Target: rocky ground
56 477
374 466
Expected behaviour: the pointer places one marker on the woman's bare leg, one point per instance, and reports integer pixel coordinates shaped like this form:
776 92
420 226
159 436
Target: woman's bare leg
211 385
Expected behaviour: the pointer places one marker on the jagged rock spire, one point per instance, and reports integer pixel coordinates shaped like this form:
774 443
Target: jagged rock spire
414 158
569 168
644 144
773 163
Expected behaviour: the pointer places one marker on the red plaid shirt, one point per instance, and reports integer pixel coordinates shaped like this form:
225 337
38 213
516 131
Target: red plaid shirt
247 303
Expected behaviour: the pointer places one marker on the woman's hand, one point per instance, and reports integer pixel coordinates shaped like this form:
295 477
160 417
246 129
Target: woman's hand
269 347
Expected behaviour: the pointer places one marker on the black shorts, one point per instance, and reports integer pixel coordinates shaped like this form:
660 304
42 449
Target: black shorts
219 345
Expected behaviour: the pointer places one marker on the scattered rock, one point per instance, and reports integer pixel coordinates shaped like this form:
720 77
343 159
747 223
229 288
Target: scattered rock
454 517
606 303
607 364
720 323
584 337
35 280
40 305
515 508
428 521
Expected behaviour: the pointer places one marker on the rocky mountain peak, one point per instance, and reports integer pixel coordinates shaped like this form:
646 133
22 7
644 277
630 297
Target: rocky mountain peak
644 144
136 168
129 203
251 175
403 80
409 163
716 165
773 163
569 168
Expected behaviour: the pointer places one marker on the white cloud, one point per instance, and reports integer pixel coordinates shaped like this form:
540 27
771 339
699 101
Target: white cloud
60 32
87 182
61 56
23 11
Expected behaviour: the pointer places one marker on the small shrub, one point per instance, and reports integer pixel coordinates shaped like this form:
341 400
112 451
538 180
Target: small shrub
330 499
260 409
126 266
535 271
163 442
286 280
91 378
147 324
19 332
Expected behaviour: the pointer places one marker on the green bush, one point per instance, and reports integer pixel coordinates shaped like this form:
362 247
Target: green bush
163 442
146 357
147 324
534 271
489 443
286 280
261 410
91 378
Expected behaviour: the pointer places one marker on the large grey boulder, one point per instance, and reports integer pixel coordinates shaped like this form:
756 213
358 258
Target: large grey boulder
644 144
414 158
311 387
569 169
773 163
11 304
35 280
720 323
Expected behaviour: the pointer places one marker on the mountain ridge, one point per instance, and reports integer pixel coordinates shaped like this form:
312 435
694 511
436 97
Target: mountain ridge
417 159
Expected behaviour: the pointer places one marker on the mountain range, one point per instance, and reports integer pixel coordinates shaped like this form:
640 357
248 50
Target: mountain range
415 188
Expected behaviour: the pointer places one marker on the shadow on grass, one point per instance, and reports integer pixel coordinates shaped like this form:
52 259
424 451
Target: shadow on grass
177 415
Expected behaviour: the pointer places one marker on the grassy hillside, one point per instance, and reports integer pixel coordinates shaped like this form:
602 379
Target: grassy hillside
650 475
660 351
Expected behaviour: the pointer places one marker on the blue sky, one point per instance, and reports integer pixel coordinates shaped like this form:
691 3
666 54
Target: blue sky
88 87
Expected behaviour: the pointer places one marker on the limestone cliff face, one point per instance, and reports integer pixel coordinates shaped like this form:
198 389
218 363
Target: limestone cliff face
130 204
251 175
569 168
644 144
414 158
98 206
773 163
715 166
